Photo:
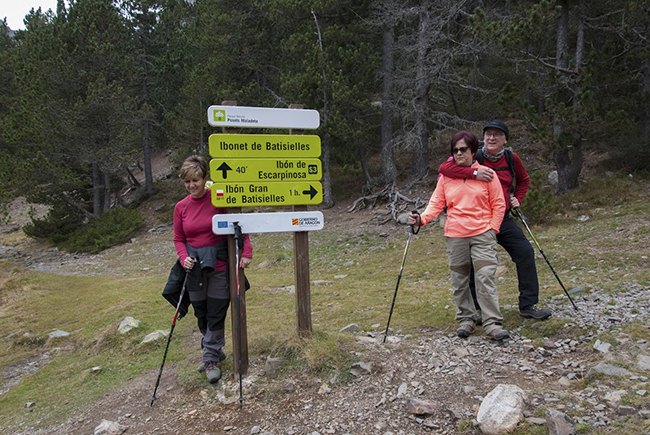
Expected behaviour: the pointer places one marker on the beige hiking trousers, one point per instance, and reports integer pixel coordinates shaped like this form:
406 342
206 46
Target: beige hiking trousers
481 252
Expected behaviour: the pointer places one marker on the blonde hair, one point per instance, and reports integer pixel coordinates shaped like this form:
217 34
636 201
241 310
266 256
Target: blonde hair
193 165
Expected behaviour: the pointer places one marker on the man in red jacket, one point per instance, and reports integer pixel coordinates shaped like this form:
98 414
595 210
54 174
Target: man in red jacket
510 237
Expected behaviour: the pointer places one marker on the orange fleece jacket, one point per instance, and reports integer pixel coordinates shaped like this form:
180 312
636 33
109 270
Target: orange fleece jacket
473 206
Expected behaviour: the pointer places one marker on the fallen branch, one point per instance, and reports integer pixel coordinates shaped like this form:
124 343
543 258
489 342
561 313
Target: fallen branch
397 203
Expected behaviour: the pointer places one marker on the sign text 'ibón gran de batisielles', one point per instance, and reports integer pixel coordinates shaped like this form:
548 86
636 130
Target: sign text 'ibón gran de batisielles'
258 193
264 146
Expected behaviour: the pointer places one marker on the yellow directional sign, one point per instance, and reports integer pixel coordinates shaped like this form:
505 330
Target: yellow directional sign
234 170
274 193
264 146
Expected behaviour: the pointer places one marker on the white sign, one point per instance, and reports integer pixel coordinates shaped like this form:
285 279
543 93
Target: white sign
263 117
268 222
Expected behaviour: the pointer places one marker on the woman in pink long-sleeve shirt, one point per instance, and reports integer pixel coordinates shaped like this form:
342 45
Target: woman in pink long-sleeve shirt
198 248
474 213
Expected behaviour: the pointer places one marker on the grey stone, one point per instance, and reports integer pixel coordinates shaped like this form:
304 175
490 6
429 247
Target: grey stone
362 367
602 346
352 327
128 324
643 362
107 427
502 409
615 397
420 407
560 423
536 421
156 335
467 389
626 410
58 333
272 364
608 369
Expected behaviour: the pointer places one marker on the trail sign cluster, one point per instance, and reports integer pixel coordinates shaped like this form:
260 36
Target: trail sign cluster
264 169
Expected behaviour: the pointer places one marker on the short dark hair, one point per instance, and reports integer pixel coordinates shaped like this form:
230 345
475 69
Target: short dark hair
470 139
193 165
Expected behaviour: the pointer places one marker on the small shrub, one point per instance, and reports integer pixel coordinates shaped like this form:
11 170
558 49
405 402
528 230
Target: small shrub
57 226
113 227
539 204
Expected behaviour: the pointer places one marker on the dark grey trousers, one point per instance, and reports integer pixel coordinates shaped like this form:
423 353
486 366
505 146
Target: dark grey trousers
210 304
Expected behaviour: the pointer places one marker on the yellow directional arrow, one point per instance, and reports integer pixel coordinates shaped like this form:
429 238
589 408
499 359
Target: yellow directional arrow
234 170
258 194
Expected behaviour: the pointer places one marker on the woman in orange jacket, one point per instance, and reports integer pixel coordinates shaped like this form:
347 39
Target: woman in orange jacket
475 210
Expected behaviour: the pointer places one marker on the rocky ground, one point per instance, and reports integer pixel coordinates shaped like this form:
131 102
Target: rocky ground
602 386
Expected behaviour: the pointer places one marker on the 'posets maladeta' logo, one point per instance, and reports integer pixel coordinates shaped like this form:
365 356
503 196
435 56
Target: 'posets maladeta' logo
219 115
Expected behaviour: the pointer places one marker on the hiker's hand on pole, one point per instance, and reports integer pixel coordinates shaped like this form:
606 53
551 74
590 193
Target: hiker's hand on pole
188 263
514 202
414 219
483 173
245 262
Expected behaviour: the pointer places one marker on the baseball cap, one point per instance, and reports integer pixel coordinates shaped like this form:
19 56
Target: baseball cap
498 124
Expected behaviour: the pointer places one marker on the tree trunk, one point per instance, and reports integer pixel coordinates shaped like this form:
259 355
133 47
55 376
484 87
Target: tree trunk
569 164
148 175
472 90
420 156
568 153
97 189
388 168
645 86
328 200
107 193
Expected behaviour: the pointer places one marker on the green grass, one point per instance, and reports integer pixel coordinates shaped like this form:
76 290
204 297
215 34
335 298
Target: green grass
357 266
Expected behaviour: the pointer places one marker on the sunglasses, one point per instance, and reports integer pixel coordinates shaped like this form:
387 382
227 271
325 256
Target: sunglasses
460 150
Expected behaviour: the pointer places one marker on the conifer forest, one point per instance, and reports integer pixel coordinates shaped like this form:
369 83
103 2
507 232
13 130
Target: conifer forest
90 88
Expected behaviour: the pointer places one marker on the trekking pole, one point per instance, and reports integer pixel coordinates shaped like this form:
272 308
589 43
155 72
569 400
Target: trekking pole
399 277
238 240
169 339
521 216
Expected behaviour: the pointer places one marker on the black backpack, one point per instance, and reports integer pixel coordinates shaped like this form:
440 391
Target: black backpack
510 159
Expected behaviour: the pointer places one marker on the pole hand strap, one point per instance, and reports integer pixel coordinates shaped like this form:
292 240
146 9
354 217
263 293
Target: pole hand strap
413 230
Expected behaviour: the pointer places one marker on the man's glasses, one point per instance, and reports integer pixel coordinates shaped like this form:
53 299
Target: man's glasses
494 134
460 150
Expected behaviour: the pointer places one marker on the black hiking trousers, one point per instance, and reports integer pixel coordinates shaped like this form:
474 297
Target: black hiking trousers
512 239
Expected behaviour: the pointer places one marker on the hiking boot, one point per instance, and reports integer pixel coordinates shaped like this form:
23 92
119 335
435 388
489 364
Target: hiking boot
465 330
212 372
498 334
534 313
201 367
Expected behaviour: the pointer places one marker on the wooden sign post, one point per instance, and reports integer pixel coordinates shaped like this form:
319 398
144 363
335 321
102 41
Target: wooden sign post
301 266
238 323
